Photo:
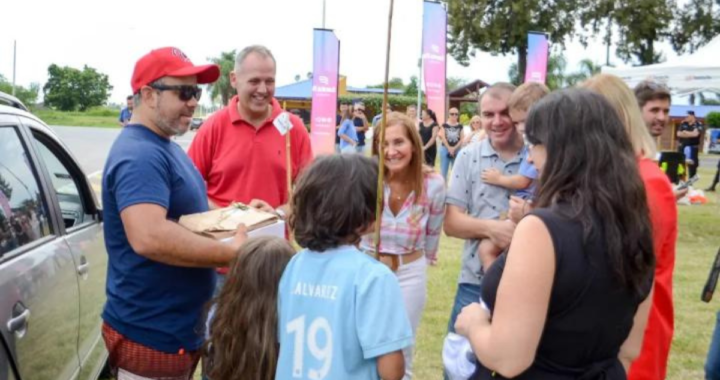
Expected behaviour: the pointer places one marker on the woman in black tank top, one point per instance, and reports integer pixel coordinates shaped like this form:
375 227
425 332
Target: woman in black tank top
570 298
429 132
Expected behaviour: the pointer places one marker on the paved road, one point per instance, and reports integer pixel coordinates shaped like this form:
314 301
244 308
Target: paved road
91 145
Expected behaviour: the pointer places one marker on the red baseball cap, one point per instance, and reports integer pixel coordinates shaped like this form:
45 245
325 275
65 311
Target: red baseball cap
169 62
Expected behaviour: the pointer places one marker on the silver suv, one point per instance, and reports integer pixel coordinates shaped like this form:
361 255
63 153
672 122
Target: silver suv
53 260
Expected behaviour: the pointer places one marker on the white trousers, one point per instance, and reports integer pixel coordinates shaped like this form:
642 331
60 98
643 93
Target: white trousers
413 284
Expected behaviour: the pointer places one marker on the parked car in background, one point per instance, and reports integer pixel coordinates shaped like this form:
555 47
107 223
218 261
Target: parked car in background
53 260
196 123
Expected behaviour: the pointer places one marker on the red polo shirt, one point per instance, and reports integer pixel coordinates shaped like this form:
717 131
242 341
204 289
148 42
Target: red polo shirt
240 162
652 362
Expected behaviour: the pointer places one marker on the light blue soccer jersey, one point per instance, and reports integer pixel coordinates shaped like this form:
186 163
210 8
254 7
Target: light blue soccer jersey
338 311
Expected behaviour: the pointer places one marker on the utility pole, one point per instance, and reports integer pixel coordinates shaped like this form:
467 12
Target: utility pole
323 15
14 63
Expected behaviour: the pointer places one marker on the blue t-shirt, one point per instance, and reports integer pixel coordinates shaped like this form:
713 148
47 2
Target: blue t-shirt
528 170
347 128
338 311
360 135
125 115
154 304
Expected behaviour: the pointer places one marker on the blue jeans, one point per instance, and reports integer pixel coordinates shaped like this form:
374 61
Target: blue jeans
466 294
712 364
445 161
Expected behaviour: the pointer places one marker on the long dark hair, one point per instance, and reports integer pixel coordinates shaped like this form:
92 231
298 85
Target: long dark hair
334 199
592 166
432 115
243 333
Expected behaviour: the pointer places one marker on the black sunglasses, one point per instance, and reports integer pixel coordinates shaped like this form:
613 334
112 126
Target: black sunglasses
185 91
453 114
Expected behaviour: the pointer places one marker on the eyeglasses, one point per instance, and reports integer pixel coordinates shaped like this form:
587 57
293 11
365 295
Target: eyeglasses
453 114
185 91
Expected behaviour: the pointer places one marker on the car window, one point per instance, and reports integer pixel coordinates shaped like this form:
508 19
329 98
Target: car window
66 186
23 211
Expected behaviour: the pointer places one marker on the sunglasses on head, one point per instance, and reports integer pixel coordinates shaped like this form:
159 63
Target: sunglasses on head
185 91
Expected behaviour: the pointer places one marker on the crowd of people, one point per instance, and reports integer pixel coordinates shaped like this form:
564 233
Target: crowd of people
568 221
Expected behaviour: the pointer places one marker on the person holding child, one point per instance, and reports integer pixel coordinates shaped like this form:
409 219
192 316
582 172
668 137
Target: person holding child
474 208
412 217
523 183
341 314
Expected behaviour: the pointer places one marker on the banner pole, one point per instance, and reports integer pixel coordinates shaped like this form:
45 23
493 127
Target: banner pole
381 139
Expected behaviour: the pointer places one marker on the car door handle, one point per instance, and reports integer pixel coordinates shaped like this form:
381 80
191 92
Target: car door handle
19 323
83 269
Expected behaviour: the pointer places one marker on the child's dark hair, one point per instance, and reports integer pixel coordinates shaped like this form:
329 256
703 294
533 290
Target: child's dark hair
334 199
243 332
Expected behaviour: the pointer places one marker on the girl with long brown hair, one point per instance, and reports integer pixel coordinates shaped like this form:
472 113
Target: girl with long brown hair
243 341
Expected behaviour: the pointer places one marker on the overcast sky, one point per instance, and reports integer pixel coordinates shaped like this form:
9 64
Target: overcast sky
111 38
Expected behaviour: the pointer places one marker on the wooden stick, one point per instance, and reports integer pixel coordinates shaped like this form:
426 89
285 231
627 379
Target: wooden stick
381 139
288 161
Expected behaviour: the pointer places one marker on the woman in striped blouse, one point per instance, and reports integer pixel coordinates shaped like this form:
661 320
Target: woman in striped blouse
412 218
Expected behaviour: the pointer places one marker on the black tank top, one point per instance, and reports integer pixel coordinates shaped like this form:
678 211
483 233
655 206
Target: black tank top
590 313
426 132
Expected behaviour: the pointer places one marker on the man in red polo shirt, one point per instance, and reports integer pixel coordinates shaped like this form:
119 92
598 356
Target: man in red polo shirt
238 151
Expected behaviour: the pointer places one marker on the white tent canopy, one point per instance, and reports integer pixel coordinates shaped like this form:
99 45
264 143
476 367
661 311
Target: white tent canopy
688 74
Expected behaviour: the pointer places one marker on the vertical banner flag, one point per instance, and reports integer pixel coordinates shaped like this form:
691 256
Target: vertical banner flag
326 61
433 57
537 57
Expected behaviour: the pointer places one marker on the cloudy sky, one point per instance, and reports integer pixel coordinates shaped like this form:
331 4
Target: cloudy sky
112 36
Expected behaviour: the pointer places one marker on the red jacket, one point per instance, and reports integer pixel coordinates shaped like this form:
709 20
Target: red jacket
652 362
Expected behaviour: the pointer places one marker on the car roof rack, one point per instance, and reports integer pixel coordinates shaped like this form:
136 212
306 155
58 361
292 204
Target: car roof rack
12 101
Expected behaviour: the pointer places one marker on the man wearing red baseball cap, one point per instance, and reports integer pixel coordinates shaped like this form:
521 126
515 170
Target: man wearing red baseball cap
160 275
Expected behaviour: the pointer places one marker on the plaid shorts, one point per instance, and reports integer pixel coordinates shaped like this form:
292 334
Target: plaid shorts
145 362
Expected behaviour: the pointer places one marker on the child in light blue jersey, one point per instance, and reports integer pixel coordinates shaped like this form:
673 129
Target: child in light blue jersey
341 313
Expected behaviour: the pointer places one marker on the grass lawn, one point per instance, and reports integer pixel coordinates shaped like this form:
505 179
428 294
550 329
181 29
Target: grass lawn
101 118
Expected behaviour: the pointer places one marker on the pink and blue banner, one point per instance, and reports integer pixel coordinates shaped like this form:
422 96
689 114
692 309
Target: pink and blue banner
326 63
433 57
537 57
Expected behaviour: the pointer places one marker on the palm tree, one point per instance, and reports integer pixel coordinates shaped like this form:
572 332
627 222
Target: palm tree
222 88
555 78
588 69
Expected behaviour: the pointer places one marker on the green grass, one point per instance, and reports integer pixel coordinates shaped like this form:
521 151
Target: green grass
98 117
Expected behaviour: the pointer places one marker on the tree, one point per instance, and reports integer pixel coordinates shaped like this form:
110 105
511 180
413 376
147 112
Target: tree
639 23
5 187
453 83
555 78
695 25
26 95
69 89
713 119
412 88
502 26
222 88
588 69
394 83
